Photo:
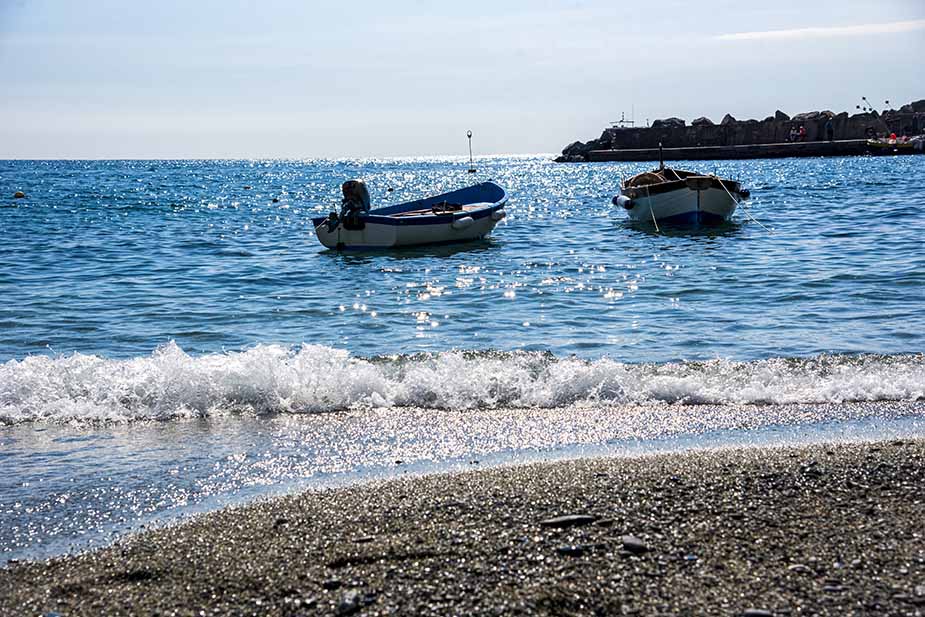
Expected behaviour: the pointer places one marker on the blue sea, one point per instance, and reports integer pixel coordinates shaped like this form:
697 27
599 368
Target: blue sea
174 339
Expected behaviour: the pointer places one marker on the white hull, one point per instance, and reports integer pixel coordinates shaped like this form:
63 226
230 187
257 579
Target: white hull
376 235
683 204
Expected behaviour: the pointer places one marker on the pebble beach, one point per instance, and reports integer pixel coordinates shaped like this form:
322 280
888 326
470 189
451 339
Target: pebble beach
817 530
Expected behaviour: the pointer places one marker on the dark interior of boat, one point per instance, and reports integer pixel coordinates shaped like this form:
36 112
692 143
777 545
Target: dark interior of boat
442 207
658 176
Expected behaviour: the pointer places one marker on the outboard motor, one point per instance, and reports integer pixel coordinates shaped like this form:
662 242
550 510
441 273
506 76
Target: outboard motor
354 205
332 221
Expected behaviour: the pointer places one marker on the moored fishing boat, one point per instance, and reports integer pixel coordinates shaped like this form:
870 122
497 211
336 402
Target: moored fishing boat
457 216
675 196
894 145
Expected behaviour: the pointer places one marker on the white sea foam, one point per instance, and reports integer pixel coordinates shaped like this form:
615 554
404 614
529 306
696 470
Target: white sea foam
268 378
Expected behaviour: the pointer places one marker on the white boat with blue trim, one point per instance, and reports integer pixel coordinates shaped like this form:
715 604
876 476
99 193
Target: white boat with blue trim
458 216
675 196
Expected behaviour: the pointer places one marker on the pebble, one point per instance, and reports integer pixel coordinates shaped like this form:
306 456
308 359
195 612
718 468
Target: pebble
330 584
572 550
310 602
350 603
799 568
569 520
757 612
634 545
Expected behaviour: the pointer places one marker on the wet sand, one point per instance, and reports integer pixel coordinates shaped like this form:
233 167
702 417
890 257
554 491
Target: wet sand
825 530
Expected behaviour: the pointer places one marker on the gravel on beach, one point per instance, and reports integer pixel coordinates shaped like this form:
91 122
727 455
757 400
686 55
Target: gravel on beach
822 530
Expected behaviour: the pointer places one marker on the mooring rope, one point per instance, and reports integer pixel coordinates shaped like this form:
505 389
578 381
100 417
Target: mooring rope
736 202
651 211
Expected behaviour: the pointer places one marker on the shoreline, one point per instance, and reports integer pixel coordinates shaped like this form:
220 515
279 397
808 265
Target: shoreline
396 444
808 530
812 133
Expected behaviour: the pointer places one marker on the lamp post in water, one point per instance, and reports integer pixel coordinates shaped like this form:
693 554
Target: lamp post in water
471 164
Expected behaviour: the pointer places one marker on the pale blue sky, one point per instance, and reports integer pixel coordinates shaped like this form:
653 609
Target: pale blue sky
107 78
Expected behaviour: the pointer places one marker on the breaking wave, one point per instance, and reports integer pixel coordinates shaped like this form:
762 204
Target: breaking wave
275 379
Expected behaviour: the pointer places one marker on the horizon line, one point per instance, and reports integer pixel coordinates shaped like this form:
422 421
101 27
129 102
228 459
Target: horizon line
460 157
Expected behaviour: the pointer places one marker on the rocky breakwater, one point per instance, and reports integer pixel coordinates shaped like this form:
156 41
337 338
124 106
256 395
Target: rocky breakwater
703 132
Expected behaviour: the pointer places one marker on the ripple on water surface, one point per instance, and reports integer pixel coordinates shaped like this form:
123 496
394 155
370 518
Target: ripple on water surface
117 257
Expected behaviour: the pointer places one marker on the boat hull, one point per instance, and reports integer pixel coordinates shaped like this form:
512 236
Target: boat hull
387 234
684 205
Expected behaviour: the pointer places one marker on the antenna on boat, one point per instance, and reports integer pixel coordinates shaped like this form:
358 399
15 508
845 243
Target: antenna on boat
622 123
661 160
471 164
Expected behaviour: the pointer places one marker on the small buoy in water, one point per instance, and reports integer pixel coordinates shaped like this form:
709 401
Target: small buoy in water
276 200
389 190
247 187
18 195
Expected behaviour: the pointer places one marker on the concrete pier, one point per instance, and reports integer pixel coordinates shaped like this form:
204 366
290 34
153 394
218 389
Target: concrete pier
845 147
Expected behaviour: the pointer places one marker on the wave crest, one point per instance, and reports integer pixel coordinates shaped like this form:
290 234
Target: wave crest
312 378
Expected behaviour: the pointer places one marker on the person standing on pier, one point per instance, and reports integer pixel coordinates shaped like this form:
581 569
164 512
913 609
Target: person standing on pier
829 130
802 133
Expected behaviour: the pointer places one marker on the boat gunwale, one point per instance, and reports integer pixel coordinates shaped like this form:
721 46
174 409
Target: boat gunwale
659 188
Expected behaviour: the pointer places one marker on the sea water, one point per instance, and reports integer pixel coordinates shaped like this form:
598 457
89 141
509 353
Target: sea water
173 338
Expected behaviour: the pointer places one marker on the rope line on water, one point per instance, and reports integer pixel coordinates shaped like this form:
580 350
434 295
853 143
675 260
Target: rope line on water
651 211
744 209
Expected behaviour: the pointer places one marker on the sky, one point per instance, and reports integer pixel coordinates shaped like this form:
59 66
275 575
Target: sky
307 79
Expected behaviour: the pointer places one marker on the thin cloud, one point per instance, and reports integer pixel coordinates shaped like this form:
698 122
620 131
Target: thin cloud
825 32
